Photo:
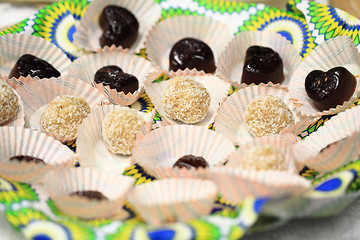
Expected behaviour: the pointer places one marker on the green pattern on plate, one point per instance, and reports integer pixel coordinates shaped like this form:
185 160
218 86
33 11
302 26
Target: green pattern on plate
13 192
35 224
291 26
56 23
327 22
24 216
171 12
19 27
204 229
224 6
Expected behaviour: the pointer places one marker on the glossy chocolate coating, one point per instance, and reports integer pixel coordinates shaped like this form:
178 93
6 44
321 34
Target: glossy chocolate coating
119 25
262 65
28 64
90 195
331 88
115 78
191 161
191 53
27 158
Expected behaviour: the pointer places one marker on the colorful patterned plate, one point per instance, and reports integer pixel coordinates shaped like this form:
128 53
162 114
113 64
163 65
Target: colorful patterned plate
30 211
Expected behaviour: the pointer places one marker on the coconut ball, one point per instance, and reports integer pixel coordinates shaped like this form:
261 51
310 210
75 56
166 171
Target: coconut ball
8 102
263 158
63 115
267 115
186 100
119 129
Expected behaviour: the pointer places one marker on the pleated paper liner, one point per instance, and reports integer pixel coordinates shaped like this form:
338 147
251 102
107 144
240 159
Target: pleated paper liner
36 94
16 141
217 88
338 51
13 46
158 151
88 32
166 33
235 184
174 199
85 67
19 118
231 61
60 183
229 119
333 145
91 148
283 143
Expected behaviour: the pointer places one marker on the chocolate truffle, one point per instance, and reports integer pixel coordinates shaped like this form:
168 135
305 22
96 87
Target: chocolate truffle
28 64
115 78
186 100
119 25
90 195
262 65
267 115
8 102
191 53
191 161
27 158
331 88
263 158
119 129
63 115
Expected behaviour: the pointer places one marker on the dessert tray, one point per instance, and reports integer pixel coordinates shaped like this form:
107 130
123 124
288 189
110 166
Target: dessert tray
306 25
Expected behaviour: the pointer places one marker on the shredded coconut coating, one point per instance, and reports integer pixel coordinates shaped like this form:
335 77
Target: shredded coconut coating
267 115
119 129
8 102
186 100
63 115
264 158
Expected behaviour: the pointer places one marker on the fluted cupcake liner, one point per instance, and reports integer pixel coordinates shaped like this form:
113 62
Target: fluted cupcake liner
19 118
13 46
15 141
171 200
36 94
333 145
60 183
217 88
338 51
283 143
85 67
158 151
231 61
229 119
88 32
235 184
91 148
166 33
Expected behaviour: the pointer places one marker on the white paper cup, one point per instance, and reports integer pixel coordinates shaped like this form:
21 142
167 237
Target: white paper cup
174 199
231 61
338 51
91 148
15 141
88 32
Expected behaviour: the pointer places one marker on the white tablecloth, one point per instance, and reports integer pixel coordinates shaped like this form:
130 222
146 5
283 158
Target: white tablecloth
345 226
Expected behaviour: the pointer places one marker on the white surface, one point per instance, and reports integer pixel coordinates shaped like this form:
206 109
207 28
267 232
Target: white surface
14 13
6 231
344 226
